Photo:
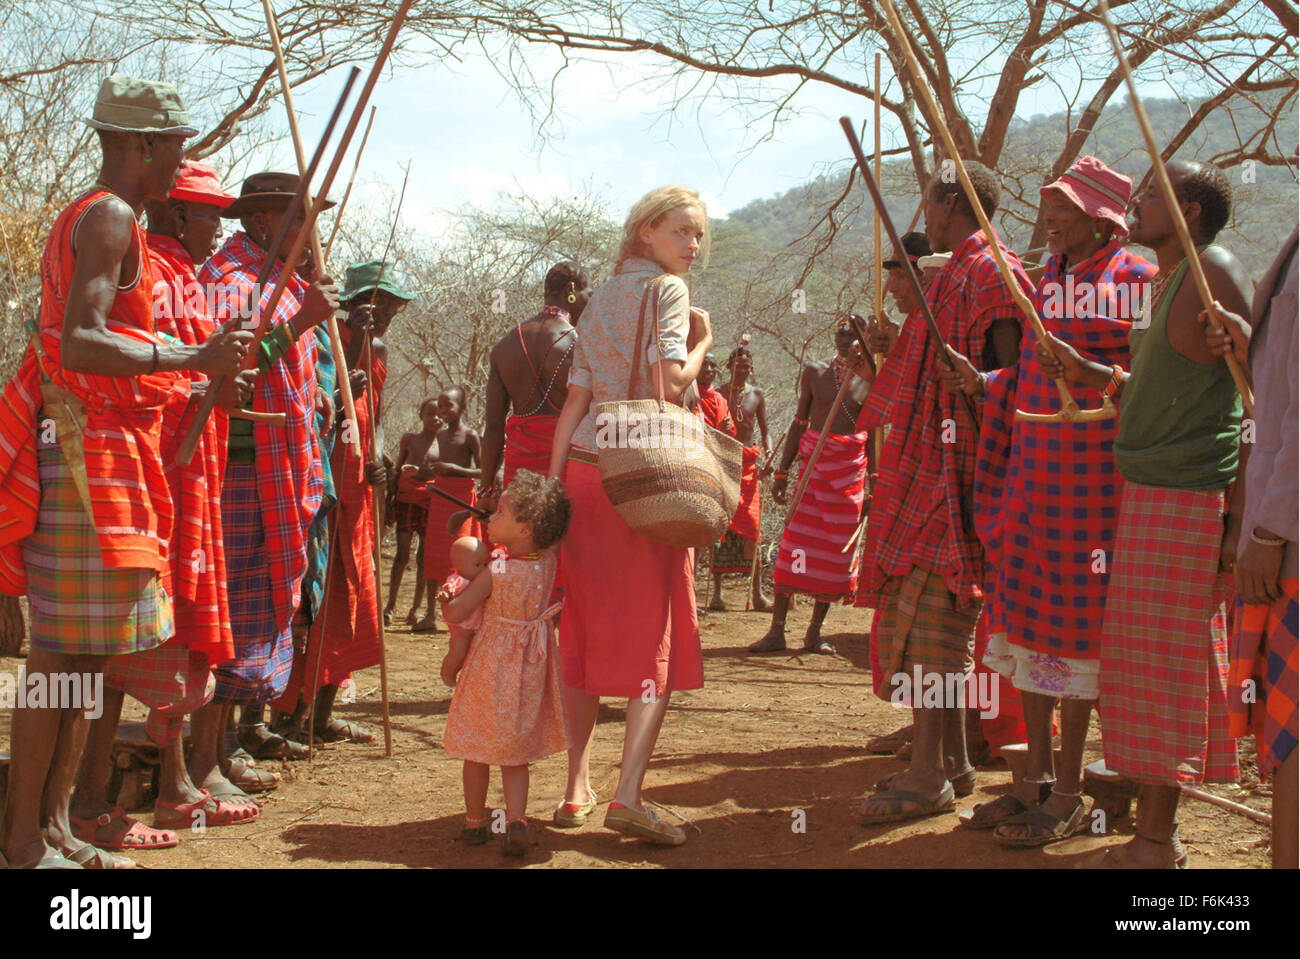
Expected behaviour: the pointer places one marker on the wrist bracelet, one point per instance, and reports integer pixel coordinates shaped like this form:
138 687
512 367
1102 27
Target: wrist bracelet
1264 541
799 422
780 474
1115 382
153 368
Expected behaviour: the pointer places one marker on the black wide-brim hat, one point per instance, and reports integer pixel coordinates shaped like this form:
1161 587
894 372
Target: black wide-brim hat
265 191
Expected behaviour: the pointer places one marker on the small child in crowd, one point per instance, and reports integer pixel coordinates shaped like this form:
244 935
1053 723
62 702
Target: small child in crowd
507 709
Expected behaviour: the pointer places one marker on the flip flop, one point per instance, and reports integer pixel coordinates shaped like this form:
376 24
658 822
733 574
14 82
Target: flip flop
137 836
768 645
341 730
1044 828
987 815
268 744
894 803
250 779
91 857
820 647
182 814
962 785
228 790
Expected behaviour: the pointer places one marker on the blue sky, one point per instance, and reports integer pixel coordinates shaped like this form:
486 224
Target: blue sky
468 137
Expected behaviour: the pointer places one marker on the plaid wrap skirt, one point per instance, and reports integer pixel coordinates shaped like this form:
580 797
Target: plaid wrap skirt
1164 652
77 606
172 680
263 647
1263 685
921 625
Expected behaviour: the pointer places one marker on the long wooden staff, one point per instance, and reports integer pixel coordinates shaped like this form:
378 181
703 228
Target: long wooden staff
758 539
878 433
336 345
1175 211
940 344
1070 411
343 204
372 414
264 312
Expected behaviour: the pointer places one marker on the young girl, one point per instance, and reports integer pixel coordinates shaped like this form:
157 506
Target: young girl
507 709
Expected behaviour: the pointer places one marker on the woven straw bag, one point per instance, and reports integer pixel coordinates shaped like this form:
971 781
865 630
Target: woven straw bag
670 476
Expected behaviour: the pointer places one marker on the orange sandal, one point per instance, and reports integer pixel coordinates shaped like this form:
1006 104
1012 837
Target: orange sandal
183 814
137 835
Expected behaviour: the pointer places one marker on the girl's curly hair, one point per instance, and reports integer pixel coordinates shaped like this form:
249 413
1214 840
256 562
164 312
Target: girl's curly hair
540 503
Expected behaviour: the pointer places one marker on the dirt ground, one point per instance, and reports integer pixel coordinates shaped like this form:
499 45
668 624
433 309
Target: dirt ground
765 738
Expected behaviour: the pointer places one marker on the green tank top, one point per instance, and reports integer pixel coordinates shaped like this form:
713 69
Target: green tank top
1179 421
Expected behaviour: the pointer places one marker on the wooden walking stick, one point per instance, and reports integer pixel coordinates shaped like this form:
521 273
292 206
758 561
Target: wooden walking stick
372 414
878 434
343 204
336 345
264 312
753 566
940 344
1070 411
1175 211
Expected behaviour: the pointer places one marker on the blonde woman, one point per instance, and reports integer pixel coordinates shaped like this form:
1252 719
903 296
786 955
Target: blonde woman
629 627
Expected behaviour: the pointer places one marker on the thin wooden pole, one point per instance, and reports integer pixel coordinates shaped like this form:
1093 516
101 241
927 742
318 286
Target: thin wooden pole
343 205
340 361
879 432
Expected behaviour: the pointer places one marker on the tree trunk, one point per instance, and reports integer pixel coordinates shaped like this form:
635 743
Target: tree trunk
12 627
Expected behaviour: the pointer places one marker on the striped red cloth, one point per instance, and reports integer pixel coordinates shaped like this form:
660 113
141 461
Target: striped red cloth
917 506
197 552
1047 494
1264 662
1164 654
528 444
346 630
129 499
810 560
289 482
412 490
750 510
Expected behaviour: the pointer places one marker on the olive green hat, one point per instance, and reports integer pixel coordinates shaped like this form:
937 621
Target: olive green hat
372 274
131 105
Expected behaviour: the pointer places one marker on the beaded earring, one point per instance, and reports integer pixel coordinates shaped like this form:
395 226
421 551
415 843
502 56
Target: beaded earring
573 293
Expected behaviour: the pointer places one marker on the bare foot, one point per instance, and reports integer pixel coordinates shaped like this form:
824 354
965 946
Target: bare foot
716 605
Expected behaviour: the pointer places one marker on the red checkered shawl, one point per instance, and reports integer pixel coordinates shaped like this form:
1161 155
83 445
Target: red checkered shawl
917 506
289 478
130 503
197 552
1047 494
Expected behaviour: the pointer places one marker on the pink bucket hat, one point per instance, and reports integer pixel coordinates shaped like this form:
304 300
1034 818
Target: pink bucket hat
1097 190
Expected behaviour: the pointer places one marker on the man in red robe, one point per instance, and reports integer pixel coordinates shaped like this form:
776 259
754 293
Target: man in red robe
176 678
344 637
85 539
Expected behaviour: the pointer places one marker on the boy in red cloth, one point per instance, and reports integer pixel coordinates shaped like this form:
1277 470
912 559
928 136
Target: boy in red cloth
453 464
409 509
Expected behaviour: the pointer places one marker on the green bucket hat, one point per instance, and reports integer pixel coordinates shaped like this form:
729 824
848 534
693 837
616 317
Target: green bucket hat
364 277
131 105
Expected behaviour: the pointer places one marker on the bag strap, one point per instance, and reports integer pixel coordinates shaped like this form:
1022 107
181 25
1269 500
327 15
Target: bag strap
654 286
